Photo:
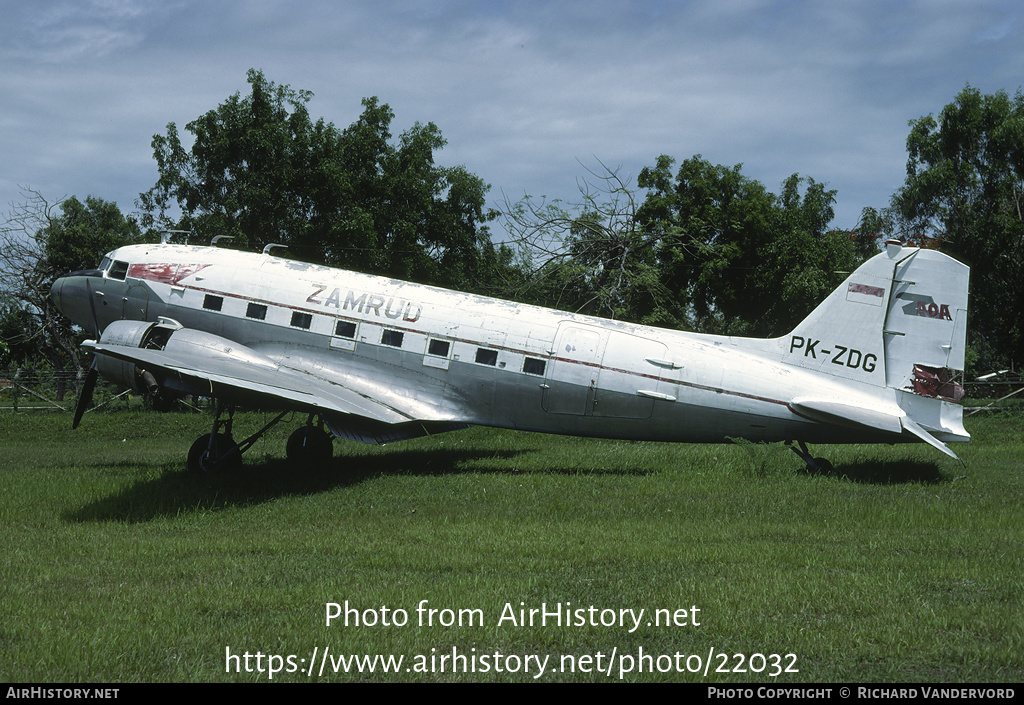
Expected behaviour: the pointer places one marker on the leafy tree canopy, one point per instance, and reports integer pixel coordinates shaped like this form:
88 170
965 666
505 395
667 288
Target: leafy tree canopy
83 233
743 259
964 194
708 249
262 171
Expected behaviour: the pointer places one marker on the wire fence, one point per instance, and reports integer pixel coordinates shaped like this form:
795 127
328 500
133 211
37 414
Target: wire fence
29 390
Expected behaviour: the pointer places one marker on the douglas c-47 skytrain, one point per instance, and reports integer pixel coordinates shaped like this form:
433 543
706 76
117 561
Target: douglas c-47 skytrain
378 360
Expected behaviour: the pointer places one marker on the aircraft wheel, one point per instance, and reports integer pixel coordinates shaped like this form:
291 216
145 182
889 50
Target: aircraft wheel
202 461
309 445
824 466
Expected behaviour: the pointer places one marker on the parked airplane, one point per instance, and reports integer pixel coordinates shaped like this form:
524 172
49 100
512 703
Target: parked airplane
379 360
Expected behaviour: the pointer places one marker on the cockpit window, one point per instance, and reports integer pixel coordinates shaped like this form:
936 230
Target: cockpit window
118 271
104 264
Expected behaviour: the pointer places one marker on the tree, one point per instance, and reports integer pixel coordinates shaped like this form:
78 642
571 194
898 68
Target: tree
964 194
871 232
745 260
84 232
590 256
261 171
37 245
242 170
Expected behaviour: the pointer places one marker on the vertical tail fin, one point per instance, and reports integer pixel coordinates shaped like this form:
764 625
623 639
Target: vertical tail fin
842 337
903 308
926 320
899 322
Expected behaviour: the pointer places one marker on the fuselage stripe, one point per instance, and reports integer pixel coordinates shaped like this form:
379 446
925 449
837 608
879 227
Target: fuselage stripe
501 348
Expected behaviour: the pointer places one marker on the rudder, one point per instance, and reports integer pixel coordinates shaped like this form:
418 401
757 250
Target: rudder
926 320
925 343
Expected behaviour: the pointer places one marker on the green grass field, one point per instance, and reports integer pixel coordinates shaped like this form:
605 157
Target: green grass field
117 566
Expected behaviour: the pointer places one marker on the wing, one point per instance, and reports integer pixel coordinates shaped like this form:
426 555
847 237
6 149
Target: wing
245 380
354 406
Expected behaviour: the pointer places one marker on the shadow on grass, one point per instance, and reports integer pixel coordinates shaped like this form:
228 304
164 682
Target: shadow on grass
884 472
771 459
178 491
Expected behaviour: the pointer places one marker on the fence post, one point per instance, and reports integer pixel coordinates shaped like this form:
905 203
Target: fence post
16 389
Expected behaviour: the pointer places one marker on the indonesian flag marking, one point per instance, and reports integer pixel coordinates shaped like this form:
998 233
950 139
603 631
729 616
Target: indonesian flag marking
865 294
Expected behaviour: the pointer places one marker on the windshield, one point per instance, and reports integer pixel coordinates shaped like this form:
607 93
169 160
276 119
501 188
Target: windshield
118 270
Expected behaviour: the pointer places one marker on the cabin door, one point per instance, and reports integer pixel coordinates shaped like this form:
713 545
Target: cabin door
574 370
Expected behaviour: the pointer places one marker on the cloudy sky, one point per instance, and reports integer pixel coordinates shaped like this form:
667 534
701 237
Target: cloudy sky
527 93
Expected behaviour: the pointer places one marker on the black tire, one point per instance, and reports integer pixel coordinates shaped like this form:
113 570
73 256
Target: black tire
309 445
202 461
823 466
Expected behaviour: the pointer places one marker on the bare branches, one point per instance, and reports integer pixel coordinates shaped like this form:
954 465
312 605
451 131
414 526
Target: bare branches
26 277
22 246
546 229
591 255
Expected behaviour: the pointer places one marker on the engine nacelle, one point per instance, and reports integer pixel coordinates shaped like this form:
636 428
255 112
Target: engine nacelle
131 334
178 342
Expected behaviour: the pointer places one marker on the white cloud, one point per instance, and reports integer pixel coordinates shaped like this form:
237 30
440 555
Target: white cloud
523 91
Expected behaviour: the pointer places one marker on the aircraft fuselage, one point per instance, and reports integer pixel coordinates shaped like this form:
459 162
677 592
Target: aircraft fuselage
437 355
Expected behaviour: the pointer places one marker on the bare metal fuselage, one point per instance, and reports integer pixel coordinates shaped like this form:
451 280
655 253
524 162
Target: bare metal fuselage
422 354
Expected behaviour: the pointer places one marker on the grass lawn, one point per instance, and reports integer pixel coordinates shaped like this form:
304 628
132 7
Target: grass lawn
118 566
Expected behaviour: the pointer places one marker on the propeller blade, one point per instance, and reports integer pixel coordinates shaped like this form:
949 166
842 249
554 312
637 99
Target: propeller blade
85 398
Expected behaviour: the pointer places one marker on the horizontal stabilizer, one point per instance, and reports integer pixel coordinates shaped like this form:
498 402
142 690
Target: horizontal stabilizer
841 414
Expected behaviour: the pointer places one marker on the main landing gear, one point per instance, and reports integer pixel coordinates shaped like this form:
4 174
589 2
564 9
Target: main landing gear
813 464
310 444
217 451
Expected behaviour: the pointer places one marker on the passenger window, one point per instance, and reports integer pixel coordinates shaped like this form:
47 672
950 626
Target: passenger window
213 303
257 311
440 348
345 329
533 366
302 320
393 338
486 357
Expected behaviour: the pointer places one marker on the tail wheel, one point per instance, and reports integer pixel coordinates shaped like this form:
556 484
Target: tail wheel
823 466
309 444
820 465
205 457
